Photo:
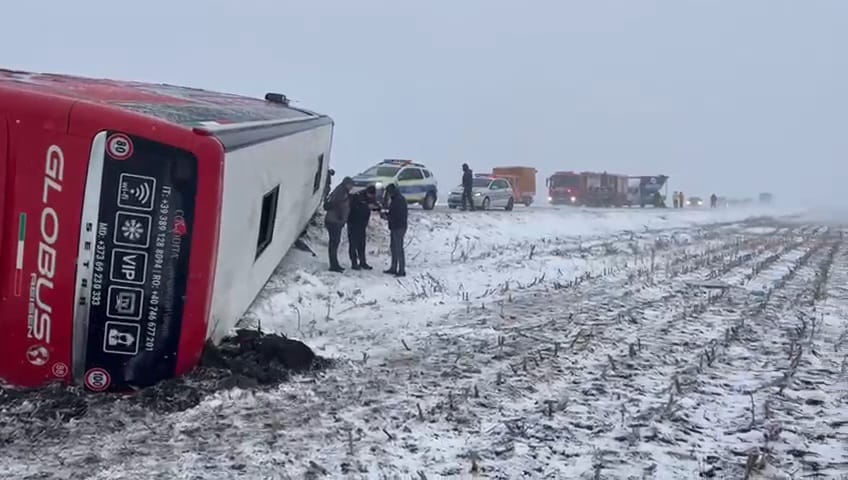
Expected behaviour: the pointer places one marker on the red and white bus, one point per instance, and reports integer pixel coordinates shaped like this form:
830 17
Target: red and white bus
138 221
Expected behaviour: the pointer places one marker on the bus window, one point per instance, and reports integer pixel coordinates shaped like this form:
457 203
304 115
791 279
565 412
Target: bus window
267 220
317 182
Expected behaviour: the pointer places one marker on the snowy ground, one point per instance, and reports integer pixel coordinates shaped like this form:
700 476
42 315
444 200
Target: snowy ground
539 343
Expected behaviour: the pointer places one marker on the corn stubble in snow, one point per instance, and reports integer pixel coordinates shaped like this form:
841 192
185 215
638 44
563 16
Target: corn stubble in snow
700 352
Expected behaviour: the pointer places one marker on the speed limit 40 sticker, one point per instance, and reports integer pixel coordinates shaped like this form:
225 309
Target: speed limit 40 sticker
97 379
119 146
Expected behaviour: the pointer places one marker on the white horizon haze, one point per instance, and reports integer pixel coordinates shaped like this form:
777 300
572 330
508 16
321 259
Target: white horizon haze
726 97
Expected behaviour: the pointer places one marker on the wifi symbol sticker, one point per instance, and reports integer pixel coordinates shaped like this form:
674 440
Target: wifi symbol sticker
136 192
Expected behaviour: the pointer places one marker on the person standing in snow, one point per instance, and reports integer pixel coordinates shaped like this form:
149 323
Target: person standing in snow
337 206
713 201
659 201
357 224
675 199
397 218
467 187
681 200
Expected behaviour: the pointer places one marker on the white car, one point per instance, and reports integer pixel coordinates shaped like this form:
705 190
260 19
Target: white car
487 192
695 202
415 182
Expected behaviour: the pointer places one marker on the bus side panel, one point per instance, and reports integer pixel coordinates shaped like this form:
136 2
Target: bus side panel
198 306
4 176
41 231
155 212
295 166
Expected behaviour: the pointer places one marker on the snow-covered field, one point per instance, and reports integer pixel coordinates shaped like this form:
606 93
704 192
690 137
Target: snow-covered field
538 343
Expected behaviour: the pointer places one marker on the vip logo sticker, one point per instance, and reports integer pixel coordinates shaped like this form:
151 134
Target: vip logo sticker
128 266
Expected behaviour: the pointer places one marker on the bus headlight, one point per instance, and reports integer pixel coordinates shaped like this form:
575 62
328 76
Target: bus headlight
573 199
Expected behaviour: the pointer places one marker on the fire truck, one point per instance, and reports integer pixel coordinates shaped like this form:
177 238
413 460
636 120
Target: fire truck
590 189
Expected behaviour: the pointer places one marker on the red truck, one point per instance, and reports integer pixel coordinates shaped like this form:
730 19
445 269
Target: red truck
589 189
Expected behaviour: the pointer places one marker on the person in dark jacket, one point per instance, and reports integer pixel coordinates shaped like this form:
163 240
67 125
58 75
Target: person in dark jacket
397 216
713 201
337 206
357 224
467 187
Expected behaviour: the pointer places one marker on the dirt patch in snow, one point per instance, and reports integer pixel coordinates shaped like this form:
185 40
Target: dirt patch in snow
249 360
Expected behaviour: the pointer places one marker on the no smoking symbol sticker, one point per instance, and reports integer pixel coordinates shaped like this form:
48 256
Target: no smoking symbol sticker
97 379
120 146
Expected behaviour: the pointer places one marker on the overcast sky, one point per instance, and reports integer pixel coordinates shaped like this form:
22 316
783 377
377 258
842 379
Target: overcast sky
733 97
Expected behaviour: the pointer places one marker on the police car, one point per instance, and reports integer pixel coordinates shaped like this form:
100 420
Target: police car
415 182
487 191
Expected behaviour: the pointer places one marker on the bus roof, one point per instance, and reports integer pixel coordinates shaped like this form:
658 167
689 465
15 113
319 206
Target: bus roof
190 107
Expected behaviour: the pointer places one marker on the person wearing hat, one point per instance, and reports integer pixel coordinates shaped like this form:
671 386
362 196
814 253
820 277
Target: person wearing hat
337 207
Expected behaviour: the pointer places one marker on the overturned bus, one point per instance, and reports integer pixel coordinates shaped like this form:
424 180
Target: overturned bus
138 221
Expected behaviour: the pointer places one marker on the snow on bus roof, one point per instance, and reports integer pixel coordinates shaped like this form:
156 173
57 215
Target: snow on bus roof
181 105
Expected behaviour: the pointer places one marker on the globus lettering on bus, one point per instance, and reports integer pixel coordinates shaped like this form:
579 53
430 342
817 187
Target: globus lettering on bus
39 324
